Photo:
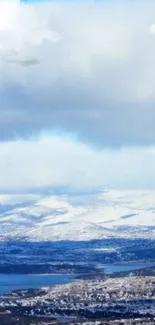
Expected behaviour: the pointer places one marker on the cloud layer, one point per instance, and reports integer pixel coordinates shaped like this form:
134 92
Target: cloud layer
55 161
96 71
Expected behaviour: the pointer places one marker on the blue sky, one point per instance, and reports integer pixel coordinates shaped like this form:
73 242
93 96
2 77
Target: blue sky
77 92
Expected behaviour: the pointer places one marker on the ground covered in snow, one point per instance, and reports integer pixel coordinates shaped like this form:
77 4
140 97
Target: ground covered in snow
131 297
73 256
77 216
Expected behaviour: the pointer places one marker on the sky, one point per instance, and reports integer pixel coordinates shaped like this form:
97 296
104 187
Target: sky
77 94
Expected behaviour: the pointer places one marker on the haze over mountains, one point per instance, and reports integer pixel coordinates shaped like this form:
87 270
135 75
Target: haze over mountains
77 216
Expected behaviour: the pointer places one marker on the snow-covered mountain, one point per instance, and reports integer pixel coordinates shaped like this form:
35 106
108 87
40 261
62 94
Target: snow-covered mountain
73 216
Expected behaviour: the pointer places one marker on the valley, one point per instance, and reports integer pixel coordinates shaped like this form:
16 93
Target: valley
77 259
80 282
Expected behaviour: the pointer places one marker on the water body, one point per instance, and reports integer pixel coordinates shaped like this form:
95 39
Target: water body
10 282
111 268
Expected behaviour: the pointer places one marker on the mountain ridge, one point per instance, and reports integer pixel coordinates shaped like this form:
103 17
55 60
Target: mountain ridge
94 215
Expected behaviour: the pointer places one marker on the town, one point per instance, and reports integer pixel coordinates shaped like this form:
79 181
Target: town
111 300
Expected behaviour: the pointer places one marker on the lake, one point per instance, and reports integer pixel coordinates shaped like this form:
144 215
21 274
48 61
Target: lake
111 268
10 282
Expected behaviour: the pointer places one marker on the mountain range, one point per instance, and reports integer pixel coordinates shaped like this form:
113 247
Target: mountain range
77 215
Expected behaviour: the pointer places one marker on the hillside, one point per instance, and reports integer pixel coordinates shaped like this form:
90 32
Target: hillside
77 216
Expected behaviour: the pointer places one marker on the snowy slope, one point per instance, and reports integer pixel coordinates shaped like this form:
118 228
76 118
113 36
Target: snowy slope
77 217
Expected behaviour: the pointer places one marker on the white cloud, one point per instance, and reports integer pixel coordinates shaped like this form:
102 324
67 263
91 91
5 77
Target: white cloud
21 30
95 78
152 29
51 161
